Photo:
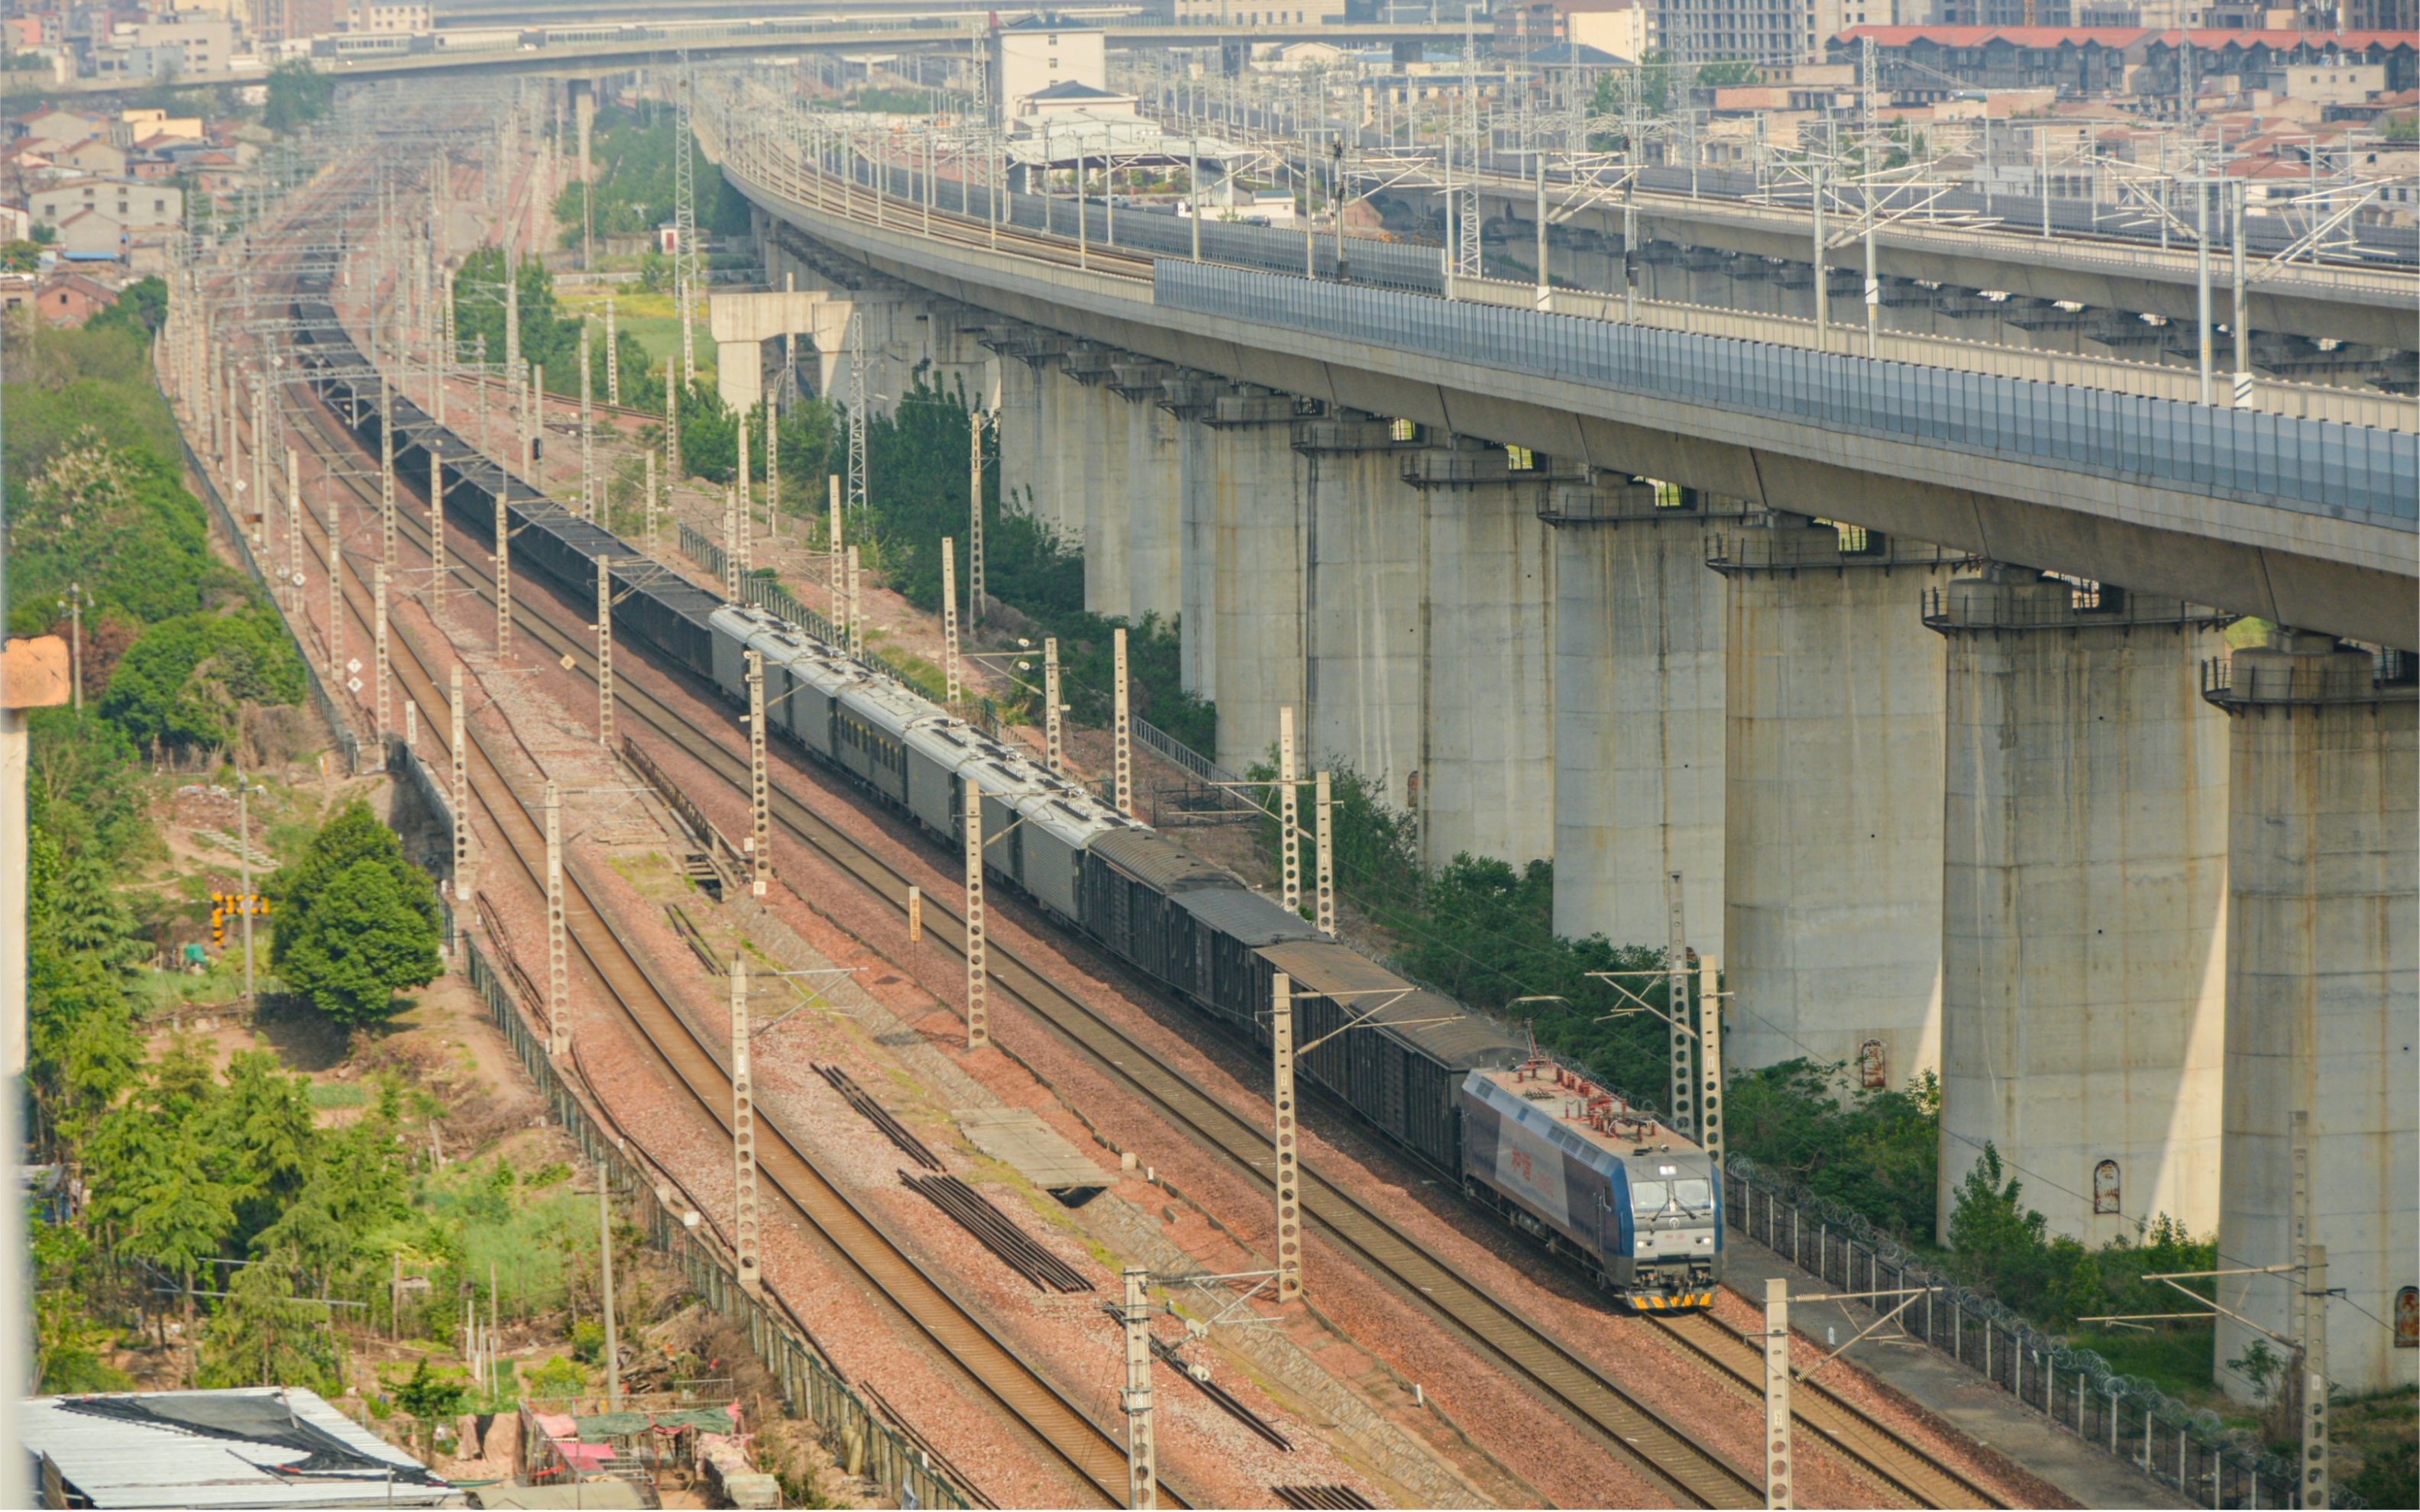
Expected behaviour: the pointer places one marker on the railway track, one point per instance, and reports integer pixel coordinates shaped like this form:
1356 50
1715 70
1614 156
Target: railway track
1692 1472
688 1054
1882 1450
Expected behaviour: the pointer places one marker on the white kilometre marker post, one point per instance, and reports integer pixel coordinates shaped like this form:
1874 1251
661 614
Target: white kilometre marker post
978 978
1283 1144
558 960
743 1137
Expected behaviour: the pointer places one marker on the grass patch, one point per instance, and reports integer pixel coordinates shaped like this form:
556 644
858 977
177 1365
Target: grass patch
325 1095
2177 1360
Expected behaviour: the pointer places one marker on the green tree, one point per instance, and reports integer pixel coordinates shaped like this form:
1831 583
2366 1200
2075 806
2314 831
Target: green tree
186 684
179 1216
1875 1150
262 1132
362 941
263 1334
68 1345
299 93
142 309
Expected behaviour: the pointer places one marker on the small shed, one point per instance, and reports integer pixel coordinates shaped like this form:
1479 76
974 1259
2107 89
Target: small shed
264 1447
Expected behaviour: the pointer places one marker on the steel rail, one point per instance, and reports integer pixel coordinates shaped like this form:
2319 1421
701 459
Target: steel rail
1843 1424
1055 1421
1689 1469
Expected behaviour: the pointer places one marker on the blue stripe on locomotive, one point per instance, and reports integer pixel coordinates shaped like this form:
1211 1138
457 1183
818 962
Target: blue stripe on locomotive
1528 1157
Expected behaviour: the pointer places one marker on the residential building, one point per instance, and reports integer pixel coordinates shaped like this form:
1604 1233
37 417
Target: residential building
1037 52
166 44
68 298
405 17
93 155
1619 27
127 202
53 124
1256 14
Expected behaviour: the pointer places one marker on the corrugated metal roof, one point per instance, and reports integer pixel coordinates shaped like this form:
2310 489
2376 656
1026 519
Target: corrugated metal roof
1152 858
1249 917
1455 1035
114 1463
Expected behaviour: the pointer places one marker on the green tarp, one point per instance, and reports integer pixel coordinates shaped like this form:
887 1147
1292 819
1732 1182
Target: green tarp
605 1426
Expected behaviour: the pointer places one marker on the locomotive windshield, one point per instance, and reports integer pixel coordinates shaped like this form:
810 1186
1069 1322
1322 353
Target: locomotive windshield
1688 1195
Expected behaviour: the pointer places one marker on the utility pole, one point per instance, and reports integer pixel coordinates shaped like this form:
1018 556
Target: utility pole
504 576
856 608
731 543
2243 300
336 590
1822 279
1289 814
1776 1392
772 467
1142 1454
1054 753
558 961
974 517
75 645
244 858
2315 1487
438 571
386 476
1676 1010
856 397
1323 910
613 358
672 427
1284 1143
605 1287
378 639
293 594
651 503
604 652
458 788
950 620
978 982
2310 1320
1122 725
838 566
743 1136
536 422
743 502
2201 283
760 788
1710 1060
587 431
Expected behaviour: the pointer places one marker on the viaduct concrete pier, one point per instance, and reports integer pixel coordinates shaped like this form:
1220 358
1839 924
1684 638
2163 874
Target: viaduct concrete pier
1640 675
2084 900
2322 993
1833 749
1367 637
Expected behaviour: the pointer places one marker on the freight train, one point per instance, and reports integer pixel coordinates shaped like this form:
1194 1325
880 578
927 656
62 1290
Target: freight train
1631 1204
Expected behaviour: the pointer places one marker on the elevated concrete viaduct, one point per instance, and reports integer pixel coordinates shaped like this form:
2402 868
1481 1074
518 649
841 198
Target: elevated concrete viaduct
2137 898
